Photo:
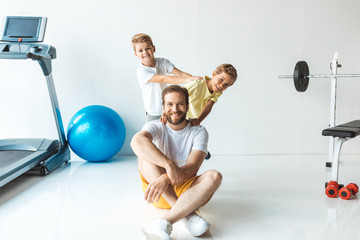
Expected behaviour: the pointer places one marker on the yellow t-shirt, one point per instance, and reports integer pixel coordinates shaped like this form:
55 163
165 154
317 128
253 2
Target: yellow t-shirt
199 95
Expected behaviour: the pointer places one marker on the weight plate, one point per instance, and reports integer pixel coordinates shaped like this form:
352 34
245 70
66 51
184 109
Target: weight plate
301 73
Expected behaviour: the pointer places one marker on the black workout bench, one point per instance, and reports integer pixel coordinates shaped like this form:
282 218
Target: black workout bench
340 133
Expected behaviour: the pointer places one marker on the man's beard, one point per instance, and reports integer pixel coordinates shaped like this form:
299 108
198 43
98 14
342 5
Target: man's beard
179 121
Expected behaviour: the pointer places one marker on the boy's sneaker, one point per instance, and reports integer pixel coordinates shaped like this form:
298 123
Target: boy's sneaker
208 156
195 224
157 230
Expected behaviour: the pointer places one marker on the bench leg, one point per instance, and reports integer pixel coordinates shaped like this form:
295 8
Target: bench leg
336 157
331 152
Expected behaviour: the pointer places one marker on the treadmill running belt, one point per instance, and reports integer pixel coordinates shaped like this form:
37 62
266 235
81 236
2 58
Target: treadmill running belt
9 157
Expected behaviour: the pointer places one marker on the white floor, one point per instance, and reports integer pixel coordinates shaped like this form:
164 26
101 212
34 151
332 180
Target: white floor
261 197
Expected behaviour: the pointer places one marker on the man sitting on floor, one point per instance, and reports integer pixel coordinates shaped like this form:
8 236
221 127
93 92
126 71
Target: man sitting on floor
169 158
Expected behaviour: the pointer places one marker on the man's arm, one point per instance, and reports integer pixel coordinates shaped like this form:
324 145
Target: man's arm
193 163
159 186
144 148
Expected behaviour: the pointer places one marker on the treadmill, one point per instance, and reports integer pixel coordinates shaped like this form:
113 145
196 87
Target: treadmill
20 40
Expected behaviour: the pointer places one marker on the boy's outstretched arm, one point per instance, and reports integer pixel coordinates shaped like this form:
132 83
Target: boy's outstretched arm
173 79
180 73
203 114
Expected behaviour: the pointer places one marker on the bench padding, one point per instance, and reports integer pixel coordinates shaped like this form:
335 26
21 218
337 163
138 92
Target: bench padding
350 129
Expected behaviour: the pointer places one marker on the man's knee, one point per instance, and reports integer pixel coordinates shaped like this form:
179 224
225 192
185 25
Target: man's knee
150 171
214 177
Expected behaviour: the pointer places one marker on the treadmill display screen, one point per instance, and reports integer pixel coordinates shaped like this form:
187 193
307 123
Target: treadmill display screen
24 29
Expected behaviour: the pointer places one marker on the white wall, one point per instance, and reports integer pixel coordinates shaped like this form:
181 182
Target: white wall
260 114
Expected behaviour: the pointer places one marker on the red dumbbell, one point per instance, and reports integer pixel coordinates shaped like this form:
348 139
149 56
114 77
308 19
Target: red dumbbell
331 189
348 191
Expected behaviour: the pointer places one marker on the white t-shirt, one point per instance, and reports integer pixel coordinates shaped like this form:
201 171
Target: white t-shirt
177 145
151 92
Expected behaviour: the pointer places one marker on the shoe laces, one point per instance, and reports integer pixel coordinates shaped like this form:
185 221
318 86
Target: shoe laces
192 217
166 226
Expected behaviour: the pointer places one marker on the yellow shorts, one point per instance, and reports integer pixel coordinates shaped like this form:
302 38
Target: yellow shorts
179 189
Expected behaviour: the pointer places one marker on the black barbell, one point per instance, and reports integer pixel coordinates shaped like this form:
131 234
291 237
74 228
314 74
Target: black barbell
302 76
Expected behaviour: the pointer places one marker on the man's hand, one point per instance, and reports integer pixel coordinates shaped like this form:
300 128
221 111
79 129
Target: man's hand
163 119
175 174
156 189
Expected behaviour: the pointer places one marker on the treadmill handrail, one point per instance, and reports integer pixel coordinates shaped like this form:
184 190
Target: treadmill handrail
43 53
17 147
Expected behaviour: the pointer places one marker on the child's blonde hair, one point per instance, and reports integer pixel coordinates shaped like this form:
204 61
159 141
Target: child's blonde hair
228 69
140 38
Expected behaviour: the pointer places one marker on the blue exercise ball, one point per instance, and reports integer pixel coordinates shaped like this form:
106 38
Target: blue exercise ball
96 133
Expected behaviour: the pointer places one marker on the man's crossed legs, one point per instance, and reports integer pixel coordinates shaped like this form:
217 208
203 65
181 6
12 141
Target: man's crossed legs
182 206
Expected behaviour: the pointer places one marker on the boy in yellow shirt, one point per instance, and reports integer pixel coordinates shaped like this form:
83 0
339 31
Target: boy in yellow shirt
204 93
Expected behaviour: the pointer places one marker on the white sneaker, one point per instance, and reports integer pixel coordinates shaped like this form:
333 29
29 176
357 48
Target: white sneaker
157 230
195 224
